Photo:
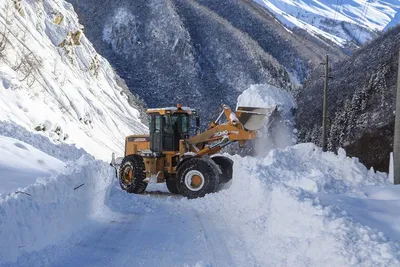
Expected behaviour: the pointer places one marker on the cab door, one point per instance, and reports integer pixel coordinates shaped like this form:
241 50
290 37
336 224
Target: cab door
156 133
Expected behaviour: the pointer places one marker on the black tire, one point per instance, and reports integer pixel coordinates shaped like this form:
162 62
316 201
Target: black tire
226 166
172 185
136 184
210 180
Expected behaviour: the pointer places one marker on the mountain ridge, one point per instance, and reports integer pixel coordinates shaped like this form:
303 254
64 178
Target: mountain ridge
361 101
167 57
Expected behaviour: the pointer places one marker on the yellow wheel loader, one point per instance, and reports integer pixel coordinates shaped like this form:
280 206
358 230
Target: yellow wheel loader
187 164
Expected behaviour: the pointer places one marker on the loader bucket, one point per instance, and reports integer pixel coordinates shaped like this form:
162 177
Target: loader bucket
252 118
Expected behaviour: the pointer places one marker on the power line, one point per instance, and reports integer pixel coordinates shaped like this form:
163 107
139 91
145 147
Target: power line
336 14
363 16
336 9
325 103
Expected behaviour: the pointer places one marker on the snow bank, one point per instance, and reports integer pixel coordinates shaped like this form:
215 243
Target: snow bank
21 164
53 208
53 81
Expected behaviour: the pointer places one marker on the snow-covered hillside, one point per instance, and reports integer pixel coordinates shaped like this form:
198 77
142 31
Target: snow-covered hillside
21 164
341 21
53 81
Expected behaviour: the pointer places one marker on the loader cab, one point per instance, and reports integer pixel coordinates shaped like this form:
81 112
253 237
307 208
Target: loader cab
167 126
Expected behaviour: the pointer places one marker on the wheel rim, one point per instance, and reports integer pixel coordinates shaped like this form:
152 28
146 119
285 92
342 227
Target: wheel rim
194 180
127 175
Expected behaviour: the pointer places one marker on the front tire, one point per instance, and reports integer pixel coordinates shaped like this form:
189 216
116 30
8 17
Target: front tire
197 177
132 174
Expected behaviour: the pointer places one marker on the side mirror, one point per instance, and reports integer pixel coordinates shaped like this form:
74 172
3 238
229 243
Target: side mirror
115 161
112 163
118 161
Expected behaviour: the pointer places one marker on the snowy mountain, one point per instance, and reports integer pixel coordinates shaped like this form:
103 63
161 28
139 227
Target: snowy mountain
185 51
340 21
53 81
361 102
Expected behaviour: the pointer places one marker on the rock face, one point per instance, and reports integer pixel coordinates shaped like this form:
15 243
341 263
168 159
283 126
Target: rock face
198 53
361 101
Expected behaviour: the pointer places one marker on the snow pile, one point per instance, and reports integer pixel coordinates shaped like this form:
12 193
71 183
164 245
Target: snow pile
272 208
305 166
53 81
266 96
296 207
53 208
338 21
21 164
278 130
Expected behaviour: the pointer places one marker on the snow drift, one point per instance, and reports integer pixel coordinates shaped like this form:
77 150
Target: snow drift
53 208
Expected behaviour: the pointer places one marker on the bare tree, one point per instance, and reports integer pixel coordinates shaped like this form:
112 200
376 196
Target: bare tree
27 66
4 34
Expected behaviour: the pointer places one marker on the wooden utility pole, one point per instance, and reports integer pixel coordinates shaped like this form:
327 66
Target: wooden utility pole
396 143
325 104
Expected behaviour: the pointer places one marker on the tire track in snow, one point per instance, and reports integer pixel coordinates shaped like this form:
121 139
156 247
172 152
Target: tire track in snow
219 253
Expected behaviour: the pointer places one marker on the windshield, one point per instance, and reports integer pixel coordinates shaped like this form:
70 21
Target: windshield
180 123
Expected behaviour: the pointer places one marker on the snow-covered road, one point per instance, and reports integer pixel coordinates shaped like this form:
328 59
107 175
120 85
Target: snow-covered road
152 239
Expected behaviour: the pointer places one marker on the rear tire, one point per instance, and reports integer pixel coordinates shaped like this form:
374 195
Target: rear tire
226 166
132 174
197 177
172 185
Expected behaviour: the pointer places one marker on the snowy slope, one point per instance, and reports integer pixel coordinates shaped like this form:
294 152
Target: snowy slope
53 81
21 164
25 157
340 21
296 207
